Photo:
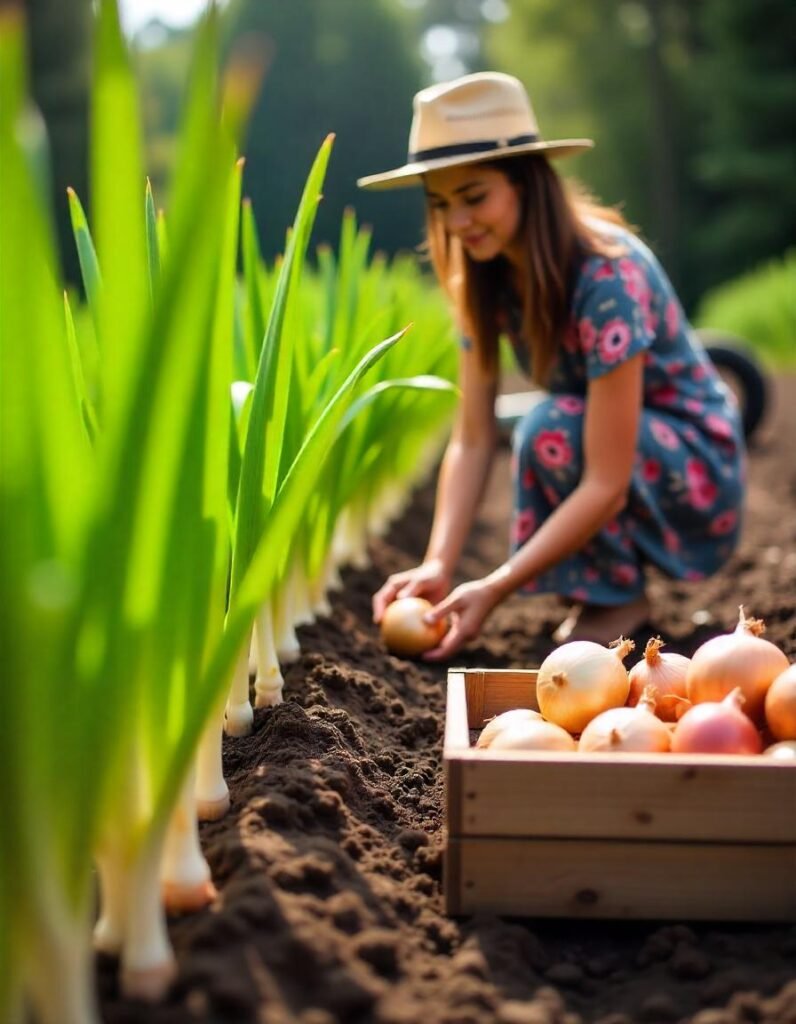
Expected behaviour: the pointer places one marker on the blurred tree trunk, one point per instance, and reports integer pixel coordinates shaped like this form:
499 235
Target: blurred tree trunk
59 40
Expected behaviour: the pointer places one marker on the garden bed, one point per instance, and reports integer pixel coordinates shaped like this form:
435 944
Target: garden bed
329 864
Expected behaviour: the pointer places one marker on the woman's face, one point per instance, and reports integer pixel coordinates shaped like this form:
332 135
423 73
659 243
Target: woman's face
479 205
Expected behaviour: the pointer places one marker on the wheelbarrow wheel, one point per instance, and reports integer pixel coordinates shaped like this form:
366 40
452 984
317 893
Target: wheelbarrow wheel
743 373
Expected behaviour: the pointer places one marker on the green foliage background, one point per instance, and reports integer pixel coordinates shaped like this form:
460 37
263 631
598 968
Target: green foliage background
691 103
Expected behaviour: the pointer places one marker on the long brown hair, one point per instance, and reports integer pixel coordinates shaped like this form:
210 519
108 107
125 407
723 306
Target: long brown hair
560 222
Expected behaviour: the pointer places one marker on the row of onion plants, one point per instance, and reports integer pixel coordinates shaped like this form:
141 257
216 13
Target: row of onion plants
153 499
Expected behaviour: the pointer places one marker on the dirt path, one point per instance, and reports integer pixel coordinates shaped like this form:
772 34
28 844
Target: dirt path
329 864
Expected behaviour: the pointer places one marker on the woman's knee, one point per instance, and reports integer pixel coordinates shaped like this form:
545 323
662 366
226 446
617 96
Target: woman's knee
549 437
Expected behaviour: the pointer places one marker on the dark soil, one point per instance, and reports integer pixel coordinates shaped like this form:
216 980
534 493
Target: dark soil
329 865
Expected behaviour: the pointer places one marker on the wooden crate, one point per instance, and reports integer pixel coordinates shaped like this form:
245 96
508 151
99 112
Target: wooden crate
658 836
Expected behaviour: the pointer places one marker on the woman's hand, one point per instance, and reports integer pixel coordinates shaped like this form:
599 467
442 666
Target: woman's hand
467 606
430 580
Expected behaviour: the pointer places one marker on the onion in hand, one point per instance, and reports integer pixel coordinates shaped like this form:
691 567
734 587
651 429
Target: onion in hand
403 630
742 658
627 730
501 722
780 705
666 674
717 728
580 679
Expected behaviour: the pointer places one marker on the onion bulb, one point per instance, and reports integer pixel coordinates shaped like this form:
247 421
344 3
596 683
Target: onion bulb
780 705
665 673
403 630
580 679
631 729
533 734
741 658
785 750
717 727
500 722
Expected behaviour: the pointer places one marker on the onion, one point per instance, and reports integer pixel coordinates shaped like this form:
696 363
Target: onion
780 705
782 751
500 722
580 679
403 630
717 728
665 673
631 729
741 658
535 734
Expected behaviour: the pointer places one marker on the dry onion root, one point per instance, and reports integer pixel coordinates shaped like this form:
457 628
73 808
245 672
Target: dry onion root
627 730
742 658
501 722
780 705
533 734
580 679
666 674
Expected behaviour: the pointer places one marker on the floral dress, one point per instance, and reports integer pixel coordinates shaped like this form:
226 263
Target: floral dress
683 513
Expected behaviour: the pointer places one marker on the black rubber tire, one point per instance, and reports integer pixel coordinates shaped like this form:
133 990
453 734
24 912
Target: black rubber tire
732 358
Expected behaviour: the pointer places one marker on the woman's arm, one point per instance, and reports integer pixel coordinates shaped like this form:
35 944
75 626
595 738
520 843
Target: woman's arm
611 425
466 464
461 484
613 414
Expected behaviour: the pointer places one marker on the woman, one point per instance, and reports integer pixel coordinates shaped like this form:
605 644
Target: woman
634 456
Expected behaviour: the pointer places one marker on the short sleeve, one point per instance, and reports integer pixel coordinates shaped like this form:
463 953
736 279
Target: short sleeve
613 317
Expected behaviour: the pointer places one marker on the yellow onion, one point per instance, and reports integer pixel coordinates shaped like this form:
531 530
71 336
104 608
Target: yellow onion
403 630
630 729
580 679
533 734
785 750
780 705
741 658
717 727
500 722
665 673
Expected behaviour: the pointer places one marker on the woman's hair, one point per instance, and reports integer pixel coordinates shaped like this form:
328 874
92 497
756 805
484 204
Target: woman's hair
561 223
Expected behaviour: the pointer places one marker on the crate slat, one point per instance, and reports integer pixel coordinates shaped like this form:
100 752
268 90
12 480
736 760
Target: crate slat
604 879
619 797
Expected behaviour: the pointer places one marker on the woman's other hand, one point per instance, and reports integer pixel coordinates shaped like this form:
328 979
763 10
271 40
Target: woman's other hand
467 607
430 580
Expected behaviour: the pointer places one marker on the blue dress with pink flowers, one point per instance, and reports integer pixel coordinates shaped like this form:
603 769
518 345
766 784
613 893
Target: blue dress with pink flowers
683 512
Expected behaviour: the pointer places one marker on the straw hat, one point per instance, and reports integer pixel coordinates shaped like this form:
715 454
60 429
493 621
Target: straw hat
485 116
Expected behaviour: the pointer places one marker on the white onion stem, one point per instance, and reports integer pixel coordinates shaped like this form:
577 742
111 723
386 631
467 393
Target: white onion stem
110 927
184 872
268 684
239 715
148 966
212 794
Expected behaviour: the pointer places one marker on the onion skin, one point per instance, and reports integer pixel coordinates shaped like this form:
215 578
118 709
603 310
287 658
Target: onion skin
666 674
780 705
580 679
535 734
627 730
501 722
403 630
717 728
785 750
741 658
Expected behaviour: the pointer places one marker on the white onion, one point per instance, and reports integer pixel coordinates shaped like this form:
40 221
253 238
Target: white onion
785 750
534 734
580 679
500 722
741 658
666 673
403 630
631 729
780 705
